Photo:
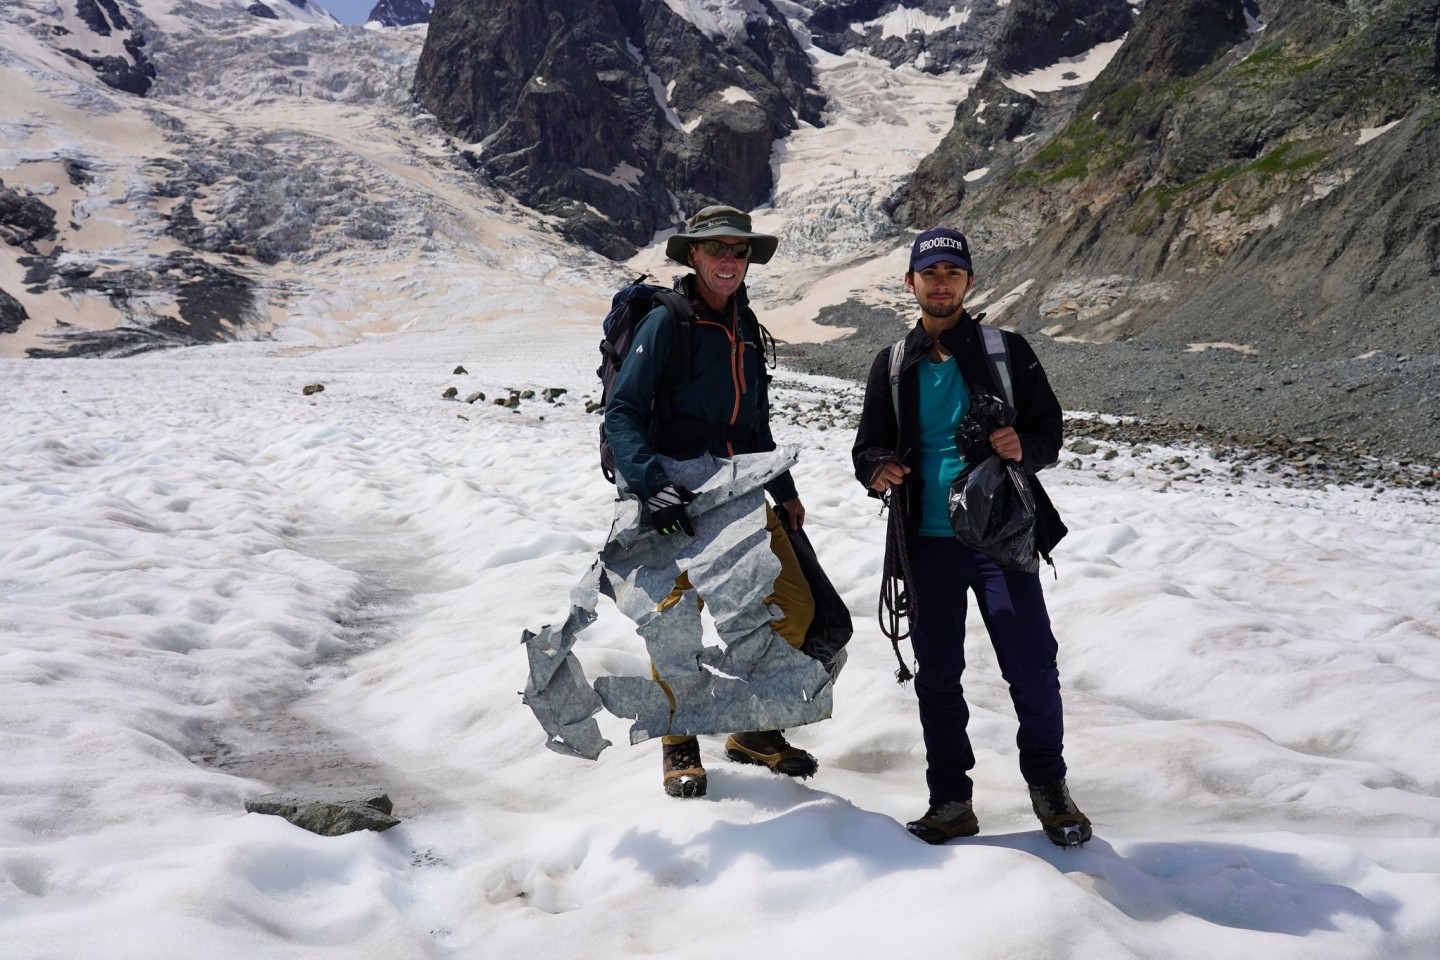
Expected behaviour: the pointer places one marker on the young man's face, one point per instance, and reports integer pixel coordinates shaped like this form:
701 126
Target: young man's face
940 289
720 275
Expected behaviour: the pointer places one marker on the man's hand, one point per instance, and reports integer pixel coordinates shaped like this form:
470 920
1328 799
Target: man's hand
792 514
1007 444
891 474
667 510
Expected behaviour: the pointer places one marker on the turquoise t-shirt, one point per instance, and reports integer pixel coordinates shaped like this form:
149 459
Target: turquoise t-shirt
944 401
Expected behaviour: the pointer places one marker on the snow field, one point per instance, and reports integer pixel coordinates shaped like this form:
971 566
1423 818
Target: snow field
212 587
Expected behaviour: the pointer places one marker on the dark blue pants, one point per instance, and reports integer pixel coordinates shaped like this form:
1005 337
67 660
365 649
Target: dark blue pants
1013 609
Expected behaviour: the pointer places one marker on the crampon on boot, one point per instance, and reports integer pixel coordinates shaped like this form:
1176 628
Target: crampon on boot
1064 824
945 821
769 748
683 774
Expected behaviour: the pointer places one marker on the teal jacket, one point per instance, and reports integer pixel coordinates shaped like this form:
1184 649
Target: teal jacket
723 408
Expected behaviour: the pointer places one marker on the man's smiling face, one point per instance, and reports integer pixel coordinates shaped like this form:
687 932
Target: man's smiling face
719 276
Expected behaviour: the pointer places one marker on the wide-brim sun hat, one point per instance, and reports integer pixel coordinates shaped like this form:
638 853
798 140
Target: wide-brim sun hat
720 221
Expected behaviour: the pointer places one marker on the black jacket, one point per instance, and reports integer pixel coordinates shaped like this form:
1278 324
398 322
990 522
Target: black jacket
1039 420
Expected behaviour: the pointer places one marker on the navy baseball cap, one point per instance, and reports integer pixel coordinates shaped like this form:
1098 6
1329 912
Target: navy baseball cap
938 246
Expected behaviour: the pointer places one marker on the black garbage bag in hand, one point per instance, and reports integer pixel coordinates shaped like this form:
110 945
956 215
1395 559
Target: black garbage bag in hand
830 628
992 508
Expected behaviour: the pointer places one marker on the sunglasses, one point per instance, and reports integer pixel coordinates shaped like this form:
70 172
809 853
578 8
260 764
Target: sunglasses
718 248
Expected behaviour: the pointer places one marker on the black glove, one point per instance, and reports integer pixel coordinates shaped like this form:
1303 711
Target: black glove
667 510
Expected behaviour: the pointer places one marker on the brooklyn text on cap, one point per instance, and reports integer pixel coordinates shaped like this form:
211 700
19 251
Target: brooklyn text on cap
940 245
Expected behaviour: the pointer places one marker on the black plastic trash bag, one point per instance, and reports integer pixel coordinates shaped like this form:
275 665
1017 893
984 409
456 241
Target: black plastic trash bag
831 628
991 506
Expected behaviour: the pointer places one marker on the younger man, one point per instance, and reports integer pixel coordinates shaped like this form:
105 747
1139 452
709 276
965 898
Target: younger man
915 461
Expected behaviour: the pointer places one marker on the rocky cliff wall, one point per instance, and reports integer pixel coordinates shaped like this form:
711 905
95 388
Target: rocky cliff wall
615 116
1256 174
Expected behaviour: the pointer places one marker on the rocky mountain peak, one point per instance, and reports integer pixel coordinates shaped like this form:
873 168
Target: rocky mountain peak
617 116
400 13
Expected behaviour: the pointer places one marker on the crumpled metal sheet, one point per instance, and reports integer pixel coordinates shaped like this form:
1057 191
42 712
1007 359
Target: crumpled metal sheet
756 681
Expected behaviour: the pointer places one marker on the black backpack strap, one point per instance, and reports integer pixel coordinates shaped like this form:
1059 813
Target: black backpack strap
681 365
764 345
682 351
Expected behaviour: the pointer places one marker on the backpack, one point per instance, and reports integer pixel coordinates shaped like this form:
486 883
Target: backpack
630 305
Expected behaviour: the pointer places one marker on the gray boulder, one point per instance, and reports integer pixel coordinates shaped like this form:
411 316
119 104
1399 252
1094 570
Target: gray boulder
329 812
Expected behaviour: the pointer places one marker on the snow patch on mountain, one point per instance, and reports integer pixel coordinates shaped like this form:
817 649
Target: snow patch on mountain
903 21
1067 72
719 18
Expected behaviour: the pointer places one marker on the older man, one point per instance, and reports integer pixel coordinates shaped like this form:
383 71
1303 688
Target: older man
722 410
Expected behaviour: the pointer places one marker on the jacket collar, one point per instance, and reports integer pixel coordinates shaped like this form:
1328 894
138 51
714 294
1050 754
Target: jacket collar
959 339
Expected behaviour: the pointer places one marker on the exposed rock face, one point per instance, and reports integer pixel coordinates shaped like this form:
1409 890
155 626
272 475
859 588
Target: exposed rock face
133 72
24 219
12 313
996 126
1255 178
178 300
931 35
1221 180
1039 33
400 13
131 76
99 14
613 113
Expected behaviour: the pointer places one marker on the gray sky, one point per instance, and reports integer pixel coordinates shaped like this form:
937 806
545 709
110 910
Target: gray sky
349 11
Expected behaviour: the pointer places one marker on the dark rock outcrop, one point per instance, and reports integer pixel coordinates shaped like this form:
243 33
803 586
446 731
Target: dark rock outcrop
329 812
104 18
1039 33
24 219
12 313
214 304
258 9
614 112
400 13
101 15
995 127
78 172
946 36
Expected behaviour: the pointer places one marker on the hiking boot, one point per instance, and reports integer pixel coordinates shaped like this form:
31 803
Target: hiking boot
1064 824
684 776
769 748
946 821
